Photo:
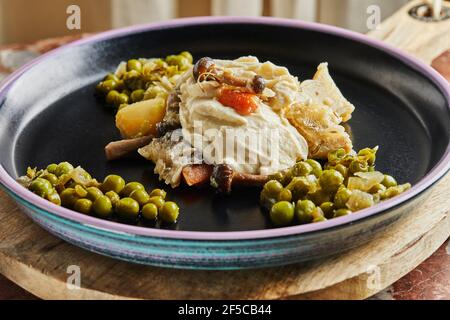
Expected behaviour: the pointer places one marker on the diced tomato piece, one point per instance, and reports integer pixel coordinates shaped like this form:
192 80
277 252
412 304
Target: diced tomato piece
242 102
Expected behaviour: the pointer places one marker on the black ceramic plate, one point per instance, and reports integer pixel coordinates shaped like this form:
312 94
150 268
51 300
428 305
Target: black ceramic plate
49 114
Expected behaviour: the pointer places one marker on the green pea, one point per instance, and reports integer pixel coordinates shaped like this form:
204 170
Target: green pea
158 193
169 212
54 198
86 175
285 195
390 193
179 61
320 196
53 179
70 184
113 183
273 188
93 193
335 156
358 166
137 95
304 210
133 80
342 170
134 65
330 180
80 191
389 181
100 90
327 209
341 197
395 191
377 188
126 92
150 212
302 169
299 187
103 207
158 201
130 187
107 86
319 218
316 167
347 160
68 197
63 181
282 213
341 213
127 208
141 196
51 168
63 168
121 87
278 176
83 206
122 99
41 187
288 176
153 92
111 77
369 155
187 55
112 98
113 196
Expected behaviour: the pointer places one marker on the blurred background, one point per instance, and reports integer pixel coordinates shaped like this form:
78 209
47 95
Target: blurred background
25 21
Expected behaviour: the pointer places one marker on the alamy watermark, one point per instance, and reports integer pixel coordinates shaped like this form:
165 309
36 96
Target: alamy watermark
374 278
73 21
74 279
242 146
374 19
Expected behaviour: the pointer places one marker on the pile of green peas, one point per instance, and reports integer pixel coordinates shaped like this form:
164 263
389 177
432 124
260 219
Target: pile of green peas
311 192
139 80
74 188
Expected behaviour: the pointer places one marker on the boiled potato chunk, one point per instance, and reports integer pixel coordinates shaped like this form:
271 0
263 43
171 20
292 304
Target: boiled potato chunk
140 118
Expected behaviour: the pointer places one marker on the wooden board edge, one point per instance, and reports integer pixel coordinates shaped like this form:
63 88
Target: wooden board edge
46 287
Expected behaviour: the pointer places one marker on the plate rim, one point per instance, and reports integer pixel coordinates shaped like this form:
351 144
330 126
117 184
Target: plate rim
437 172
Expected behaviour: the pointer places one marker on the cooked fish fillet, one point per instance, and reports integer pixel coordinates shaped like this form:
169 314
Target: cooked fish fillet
318 113
170 153
316 108
320 127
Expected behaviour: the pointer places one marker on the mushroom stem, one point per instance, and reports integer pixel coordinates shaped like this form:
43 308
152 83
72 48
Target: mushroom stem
245 179
224 178
206 66
118 149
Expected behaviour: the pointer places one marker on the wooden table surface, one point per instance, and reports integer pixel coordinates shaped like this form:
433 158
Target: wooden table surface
430 280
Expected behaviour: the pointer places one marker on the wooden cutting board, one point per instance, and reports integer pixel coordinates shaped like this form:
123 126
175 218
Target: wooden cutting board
39 262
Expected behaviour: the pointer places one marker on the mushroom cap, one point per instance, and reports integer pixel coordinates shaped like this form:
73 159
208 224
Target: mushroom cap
202 66
222 177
